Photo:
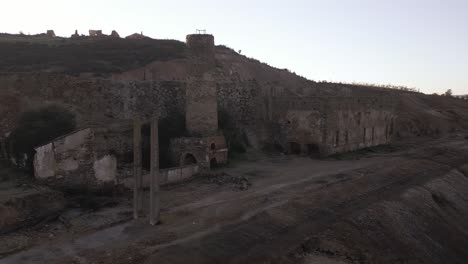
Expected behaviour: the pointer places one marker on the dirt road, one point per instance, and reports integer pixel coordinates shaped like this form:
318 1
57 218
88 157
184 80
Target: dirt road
289 214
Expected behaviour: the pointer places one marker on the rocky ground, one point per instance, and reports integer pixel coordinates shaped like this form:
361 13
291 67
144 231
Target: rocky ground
403 204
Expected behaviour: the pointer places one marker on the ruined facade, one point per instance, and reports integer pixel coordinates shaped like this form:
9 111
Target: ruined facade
95 33
297 116
208 152
207 145
322 126
86 158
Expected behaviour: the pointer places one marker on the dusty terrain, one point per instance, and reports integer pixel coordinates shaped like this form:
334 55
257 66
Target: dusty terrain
404 204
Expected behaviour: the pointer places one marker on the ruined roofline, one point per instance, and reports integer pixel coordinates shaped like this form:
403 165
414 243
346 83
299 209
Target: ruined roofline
96 128
61 137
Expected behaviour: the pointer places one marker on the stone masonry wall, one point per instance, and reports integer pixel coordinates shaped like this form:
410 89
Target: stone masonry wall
84 158
201 107
358 122
332 124
94 101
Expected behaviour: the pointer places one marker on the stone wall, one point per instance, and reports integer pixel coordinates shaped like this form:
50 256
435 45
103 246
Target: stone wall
328 125
94 101
179 174
167 176
201 45
241 99
84 158
358 122
201 107
202 149
256 111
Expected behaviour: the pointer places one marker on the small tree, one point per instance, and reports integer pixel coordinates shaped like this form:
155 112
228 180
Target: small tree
448 92
37 127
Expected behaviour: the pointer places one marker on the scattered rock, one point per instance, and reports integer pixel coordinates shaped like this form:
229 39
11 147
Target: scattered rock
241 183
26 206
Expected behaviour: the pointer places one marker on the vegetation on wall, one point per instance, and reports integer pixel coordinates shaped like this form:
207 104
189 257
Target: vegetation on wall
38 127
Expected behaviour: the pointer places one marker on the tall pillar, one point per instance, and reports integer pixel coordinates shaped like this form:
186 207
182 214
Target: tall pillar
154 187
3 149
138 178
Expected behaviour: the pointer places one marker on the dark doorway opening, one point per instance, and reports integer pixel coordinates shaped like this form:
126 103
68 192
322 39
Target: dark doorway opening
295 148
313 150
189 159
213 163
213 146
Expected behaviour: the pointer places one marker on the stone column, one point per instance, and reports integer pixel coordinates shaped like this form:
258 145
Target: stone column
154 187
3 149
138 179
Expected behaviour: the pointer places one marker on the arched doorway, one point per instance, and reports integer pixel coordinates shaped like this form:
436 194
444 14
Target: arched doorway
213 163
213 146
295 148
189 159
313 150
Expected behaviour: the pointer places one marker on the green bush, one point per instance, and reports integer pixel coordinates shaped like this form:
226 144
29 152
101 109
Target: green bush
37 127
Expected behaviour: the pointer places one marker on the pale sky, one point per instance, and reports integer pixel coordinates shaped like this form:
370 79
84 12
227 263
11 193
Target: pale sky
416 43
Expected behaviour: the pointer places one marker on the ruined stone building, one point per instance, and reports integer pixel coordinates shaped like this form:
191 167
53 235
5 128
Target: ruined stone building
95 33
88 156
321 126
211 86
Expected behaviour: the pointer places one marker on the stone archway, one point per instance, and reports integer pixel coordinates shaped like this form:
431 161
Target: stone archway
189 159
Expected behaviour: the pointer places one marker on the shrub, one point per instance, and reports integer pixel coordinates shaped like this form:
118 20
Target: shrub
37 127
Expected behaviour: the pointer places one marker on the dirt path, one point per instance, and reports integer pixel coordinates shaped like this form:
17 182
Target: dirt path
290 199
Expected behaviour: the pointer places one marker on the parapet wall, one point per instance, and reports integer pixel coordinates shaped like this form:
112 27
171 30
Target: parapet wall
201 45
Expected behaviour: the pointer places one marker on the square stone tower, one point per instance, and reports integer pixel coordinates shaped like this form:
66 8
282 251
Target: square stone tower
201 107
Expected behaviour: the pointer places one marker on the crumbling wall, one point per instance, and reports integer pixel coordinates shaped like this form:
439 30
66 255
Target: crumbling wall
182 148
358 122
84 158
167 176
218 150
203 149
331 125
93 101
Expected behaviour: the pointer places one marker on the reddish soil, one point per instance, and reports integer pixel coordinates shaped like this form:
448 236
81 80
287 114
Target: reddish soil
409 205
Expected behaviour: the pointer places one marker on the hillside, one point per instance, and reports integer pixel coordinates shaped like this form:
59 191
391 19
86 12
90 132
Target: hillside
99 56
394 191
63 71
